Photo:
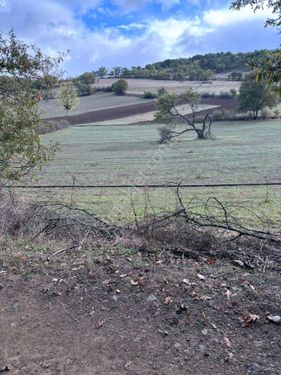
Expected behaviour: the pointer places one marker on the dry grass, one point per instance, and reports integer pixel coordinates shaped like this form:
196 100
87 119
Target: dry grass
139 86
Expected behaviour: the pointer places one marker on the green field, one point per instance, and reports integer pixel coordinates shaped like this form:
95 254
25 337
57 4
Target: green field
120 154
128 154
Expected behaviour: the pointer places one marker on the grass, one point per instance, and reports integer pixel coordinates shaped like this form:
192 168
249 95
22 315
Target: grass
120 154
118 205
129 154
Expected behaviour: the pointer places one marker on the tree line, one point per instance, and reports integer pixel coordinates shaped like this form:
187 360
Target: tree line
198 67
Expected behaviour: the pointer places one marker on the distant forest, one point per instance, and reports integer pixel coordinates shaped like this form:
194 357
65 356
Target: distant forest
198 67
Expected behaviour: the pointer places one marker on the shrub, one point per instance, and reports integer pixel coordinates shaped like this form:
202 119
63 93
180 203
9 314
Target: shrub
120 87
52 126
265 113
84 89
222 114
149 95
276 112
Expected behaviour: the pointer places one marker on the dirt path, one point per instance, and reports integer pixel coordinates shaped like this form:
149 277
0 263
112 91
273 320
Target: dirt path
138 315
116 113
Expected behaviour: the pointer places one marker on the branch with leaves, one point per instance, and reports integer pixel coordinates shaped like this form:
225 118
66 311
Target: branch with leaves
167 109
21 65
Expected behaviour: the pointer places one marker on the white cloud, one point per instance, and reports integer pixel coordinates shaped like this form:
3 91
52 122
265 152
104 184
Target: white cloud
129 5
224 17
57 26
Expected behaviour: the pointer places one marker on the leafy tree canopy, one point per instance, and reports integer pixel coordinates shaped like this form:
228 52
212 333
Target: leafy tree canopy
21 65
270 68
255 95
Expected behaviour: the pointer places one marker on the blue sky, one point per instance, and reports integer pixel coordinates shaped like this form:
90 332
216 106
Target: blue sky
134 32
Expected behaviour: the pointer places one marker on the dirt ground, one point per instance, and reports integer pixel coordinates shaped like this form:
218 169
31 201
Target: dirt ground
116 310
135 109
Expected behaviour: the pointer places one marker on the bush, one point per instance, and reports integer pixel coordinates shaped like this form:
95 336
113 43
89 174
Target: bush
265 113
222 114
276 112
52 126
120 87
107 89
149 95
84 89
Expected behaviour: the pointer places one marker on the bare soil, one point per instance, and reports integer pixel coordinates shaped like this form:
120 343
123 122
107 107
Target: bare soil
130 110
116 310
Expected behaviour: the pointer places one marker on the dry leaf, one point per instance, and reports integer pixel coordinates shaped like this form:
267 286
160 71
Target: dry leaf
168 300
100 323
227 294
226 342
137 282
250 318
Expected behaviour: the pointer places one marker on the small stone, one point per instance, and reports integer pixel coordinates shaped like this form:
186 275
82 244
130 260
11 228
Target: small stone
238 262
115 298
274 318
204 332
177 346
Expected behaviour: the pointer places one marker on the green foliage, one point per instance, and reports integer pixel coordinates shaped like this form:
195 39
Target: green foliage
273 5
165 104
198 67
86 78
255 95
270 71
167 108
21 65
84 89
120 87
149 95
101 72
235 76
269 68
68 96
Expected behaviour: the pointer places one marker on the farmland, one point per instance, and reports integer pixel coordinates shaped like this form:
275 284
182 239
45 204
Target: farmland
242 152
138 86
114 154
100 101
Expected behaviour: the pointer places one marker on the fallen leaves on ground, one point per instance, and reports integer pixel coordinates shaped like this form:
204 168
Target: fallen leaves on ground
250 318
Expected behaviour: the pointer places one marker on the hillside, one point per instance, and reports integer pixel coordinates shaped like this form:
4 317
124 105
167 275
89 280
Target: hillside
198 67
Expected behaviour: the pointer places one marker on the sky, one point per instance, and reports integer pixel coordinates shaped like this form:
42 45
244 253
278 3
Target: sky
134 32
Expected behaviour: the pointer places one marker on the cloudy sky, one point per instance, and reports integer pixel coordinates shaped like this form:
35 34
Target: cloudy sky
134 32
